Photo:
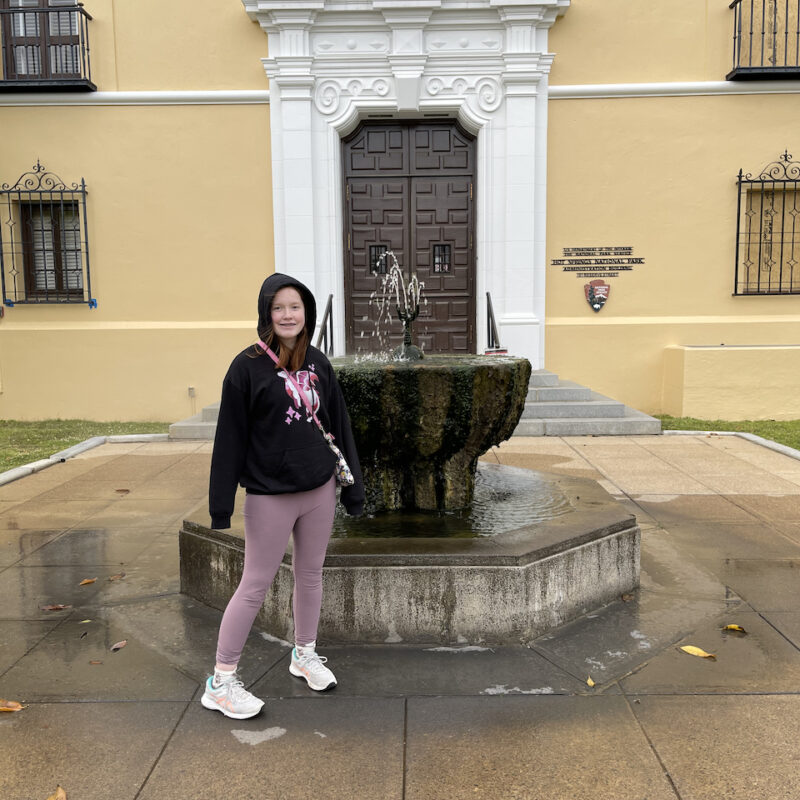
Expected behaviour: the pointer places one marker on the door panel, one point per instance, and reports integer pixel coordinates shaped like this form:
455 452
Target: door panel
409 188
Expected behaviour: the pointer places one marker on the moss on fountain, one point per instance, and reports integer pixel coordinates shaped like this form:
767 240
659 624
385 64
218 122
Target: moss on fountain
421 426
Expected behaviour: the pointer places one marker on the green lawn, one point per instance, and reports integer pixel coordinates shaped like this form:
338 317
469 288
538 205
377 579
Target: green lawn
24 442
786 432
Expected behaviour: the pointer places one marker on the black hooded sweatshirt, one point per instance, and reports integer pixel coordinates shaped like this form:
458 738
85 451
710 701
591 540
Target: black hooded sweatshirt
265 439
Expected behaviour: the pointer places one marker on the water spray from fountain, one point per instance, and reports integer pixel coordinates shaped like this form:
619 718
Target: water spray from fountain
405 297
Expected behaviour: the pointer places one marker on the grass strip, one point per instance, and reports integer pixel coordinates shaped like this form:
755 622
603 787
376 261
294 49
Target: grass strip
785 432
25 442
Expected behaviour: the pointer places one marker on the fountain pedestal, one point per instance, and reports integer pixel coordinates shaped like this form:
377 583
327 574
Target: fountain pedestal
502 589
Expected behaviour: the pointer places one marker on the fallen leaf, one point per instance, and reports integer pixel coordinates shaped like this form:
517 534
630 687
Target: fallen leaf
589 681
55 607
87 581
626 598
84 621
122 491
93 663
117 577
119 645
10 705
696 651
59 794
85 633
737 628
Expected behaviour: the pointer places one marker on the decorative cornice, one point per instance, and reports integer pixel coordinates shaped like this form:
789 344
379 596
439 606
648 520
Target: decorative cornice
671 89
178 98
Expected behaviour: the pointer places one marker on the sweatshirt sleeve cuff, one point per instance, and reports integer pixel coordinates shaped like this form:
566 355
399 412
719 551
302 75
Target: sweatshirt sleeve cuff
220 523
354 509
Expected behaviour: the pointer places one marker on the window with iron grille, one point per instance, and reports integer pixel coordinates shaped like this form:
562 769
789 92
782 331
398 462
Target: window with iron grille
768 230
45 45
766 40
44 249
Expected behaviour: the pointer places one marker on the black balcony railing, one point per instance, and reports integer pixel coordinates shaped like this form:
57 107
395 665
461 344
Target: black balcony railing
45 49
766 40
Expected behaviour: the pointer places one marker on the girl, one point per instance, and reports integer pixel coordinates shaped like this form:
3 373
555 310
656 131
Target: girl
267 441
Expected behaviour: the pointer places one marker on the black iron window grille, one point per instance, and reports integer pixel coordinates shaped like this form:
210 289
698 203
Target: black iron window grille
44 46
377 259
441 259
768 230
44 247
766 40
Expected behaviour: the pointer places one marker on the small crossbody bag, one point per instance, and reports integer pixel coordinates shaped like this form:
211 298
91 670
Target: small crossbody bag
344 476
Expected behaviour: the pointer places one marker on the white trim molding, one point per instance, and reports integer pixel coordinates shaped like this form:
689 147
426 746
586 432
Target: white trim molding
485 63
671 89
165 98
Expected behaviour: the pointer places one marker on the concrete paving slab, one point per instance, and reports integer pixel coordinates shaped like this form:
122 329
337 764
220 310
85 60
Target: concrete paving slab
17 637
194 468
528 748
608 644
754 481
787 623
135 467
172 489
339 749
724 540
24 590
726 747
766 585
435 670
87 487
672 508
169 448
59 667
184 632
15 545
49 515
761 660
92 547
30 486
93 750
132 513
560 464
777 509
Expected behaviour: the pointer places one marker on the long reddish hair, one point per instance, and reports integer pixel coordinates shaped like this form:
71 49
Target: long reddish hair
292 358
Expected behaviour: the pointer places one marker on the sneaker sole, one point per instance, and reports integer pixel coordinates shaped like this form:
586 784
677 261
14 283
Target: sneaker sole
212 705
298 674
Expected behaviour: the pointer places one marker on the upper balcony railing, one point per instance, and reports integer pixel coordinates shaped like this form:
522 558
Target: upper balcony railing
45 49
766 40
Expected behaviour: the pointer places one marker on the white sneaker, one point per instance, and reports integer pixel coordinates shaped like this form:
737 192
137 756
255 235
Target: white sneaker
231 698
311 667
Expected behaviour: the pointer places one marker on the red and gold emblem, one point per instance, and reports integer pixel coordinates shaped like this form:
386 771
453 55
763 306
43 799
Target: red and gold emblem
597 292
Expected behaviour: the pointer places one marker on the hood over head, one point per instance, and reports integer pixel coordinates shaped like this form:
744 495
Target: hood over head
271 286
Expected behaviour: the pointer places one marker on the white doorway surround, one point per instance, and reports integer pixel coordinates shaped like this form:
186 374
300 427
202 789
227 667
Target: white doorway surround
333 63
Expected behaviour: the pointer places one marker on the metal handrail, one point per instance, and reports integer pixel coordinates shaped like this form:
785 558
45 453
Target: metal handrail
492 337
325 336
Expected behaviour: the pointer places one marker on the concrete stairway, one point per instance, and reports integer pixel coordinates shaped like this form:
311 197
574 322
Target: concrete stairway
200 426
564 408
553 408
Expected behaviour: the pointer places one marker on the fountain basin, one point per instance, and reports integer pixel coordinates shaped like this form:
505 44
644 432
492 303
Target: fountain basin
420 427
502 589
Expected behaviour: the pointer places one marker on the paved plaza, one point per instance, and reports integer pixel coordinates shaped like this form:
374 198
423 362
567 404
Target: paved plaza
720 520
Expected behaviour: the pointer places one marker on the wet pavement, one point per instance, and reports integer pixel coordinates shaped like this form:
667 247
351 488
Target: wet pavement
720 519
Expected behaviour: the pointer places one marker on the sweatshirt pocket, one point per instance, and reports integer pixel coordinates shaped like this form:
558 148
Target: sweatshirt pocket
307 467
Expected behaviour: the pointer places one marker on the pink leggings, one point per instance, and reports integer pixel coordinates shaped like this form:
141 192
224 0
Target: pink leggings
268 523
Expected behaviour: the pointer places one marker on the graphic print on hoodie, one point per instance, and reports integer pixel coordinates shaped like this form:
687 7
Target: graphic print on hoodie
306 380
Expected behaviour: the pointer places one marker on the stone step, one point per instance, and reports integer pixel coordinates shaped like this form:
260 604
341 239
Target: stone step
543 377
210 413
574 409
634 423
193 428
566 390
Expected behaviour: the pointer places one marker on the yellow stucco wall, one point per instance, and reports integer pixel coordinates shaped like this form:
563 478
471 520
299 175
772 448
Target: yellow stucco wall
179 211
657 174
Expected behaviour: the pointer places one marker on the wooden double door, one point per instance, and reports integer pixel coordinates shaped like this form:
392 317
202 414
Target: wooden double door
409 187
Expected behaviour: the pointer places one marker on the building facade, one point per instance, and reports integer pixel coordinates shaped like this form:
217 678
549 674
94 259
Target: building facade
569 169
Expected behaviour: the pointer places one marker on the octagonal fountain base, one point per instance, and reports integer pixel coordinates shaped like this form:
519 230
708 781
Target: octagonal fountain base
506 588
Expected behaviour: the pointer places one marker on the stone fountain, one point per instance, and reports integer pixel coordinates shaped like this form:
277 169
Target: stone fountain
420 425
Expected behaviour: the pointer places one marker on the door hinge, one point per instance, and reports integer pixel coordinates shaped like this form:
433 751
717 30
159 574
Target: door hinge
347 192
470 190
348 242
